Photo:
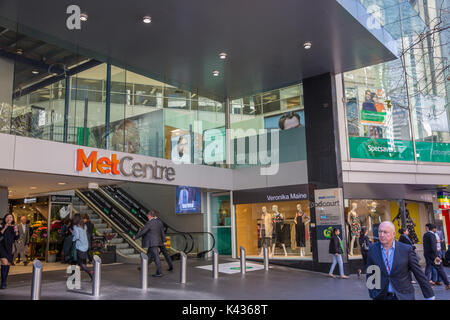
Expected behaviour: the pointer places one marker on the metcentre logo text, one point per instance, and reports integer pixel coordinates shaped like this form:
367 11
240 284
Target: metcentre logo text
124 166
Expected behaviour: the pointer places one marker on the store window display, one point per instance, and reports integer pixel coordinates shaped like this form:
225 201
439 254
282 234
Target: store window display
301 223
284 227
410 224
367 213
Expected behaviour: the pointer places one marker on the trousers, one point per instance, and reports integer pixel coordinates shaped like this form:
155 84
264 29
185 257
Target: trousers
337 259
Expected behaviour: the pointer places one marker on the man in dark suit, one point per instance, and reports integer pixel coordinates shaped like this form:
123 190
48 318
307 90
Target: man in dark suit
431 255
23 242
395 260
153 238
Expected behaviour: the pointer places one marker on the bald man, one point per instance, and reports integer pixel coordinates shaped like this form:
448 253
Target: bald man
395 260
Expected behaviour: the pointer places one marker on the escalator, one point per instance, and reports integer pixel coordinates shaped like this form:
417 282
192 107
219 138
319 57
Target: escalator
193 243
116 213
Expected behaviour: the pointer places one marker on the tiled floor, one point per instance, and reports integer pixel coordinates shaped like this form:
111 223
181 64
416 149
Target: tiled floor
122 281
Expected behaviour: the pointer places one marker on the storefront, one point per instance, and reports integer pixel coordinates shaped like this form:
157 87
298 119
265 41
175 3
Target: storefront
45 217
278 218
369 213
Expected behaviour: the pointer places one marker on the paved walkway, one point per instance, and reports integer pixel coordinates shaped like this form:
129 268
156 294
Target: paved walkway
122 281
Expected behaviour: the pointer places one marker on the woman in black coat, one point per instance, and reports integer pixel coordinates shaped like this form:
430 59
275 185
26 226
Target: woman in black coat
336 250
8 234
364 243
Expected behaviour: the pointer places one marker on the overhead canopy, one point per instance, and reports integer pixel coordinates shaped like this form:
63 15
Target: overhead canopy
263 39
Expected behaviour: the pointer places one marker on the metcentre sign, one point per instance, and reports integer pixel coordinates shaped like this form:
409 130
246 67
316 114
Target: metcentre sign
124 166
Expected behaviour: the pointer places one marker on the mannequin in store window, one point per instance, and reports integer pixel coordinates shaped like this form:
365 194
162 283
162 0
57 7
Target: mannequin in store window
355 226
266 230
278 222
301 222
410 224
374 219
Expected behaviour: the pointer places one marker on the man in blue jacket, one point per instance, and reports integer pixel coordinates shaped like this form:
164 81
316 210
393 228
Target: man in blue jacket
395 260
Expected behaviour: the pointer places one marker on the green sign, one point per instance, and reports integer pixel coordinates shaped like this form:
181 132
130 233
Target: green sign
434 152
368 148
372 117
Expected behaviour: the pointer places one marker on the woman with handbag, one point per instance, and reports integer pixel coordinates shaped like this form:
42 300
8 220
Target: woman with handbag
364 243
8 234
80 239
336 249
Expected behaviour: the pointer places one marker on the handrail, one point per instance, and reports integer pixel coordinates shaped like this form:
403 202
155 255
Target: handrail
123 234
118 205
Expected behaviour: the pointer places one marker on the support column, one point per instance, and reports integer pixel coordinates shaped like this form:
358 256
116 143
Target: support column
108 105
3 201
323 153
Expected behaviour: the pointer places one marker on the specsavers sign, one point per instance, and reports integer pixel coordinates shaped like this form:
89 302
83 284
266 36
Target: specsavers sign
125 166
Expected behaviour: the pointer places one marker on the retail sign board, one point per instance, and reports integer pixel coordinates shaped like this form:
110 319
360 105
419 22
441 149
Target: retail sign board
284 193
61 198
329 206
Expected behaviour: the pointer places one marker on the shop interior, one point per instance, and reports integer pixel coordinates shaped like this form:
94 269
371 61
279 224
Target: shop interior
283 226
46 240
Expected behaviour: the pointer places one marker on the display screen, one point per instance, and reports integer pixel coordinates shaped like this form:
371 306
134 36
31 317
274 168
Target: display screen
285 121
188 200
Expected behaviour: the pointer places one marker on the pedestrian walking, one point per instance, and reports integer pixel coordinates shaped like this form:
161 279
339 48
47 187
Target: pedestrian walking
432 258
23 242
336 248
80 239
67 233
90 234
395 260
364 243
153 238
8 234
438 277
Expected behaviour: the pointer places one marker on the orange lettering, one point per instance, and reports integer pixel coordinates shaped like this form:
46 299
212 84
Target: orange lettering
115 162
104 165
90 161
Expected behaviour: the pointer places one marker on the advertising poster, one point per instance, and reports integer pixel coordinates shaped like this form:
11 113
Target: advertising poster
181 148
373 111
214 142
285 121
188 200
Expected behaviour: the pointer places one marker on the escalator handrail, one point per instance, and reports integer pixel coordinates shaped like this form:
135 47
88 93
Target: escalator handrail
166 226
185 239
136 221
123 234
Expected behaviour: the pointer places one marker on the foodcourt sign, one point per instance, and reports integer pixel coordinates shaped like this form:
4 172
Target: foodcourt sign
125 166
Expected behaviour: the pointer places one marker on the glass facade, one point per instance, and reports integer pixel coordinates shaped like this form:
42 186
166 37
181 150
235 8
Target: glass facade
113 108
280 109
399 110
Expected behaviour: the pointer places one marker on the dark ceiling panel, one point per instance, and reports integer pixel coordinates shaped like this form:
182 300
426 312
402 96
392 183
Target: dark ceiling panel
263 39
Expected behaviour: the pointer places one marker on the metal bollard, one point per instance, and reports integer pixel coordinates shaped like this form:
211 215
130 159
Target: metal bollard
243 263
144 271
183 268
215 266
97 276
266 258
36 281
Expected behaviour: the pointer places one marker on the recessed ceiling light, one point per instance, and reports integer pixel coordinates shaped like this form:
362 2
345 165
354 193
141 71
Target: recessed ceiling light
147 19
62 183
19 51
35 71
215 73
83 17
223 55
33 188
307 45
